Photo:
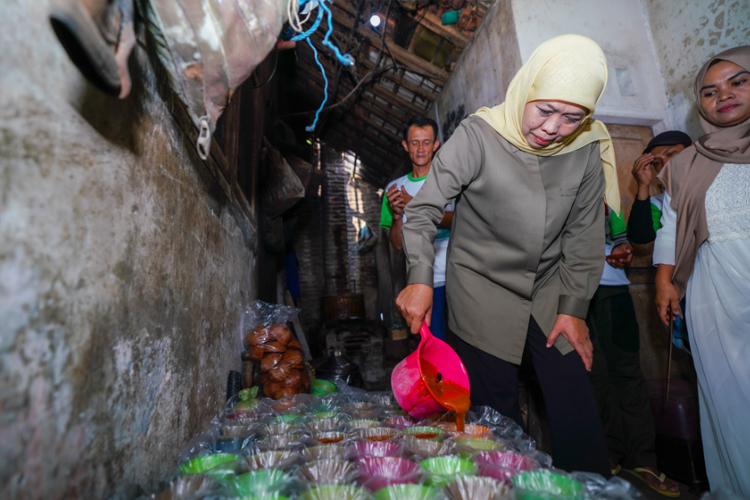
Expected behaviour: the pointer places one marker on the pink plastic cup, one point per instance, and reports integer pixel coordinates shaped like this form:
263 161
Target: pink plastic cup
502 465
379 472
407 381
504 459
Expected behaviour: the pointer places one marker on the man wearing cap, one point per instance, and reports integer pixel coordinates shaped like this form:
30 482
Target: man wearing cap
616 374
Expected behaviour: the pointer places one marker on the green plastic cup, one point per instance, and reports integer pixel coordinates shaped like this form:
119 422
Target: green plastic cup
544 485
335 492
445 469
325 414
286 419
264 497
405 492
322 387
263 482
199 465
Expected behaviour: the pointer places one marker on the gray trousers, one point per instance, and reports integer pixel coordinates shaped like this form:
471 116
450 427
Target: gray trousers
617 379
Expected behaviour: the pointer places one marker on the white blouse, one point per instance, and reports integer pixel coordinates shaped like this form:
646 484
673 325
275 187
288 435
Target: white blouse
727 212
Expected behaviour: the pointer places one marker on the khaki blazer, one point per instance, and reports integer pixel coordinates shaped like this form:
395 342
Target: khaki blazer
526 239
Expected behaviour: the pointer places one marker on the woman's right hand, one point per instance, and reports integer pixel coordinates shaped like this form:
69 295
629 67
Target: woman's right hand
415 304
666 294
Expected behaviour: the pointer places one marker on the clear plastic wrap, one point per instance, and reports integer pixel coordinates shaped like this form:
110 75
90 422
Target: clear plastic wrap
420 449
318 447
366 449
326 451
272 459
597 487
546 485
376 434
186 488
477 488
335 492
328 471
503 426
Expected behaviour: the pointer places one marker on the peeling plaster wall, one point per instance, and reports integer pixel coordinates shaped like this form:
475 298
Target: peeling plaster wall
634 94
122 274
686 34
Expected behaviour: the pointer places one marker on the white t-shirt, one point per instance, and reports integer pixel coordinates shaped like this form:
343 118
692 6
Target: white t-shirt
413 185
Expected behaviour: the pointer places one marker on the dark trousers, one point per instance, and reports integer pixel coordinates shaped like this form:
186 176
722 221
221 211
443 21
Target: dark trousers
575 429
617 379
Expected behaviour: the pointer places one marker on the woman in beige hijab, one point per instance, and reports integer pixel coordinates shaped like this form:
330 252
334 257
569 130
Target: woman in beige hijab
703 253
527 241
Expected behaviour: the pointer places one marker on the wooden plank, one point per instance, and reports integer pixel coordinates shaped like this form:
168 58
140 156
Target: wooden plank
389 135
368 64
367 106
400 80
403 107
342 14
433 23
376 87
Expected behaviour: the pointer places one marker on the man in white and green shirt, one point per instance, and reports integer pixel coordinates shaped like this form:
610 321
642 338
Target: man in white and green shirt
420 141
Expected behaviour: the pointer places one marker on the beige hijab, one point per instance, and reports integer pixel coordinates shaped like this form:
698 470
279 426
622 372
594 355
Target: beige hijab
688 176
570 68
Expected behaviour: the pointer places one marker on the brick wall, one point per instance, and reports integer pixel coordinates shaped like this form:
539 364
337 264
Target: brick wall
325 239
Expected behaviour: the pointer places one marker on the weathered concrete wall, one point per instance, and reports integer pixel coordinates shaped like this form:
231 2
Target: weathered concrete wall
686 34
483 72
122 272
653 47
634 94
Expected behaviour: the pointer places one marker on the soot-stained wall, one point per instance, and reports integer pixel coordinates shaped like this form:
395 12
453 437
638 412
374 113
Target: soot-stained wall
123 269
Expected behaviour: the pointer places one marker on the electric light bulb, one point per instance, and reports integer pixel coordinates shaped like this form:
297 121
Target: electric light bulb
375 21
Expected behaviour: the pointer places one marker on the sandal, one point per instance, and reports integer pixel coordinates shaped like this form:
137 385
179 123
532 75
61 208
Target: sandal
659 477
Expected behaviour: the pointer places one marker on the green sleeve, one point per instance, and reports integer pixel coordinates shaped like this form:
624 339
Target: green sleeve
616 224
656 217
386 214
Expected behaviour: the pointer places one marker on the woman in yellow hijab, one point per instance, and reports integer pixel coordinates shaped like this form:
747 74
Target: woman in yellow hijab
527 243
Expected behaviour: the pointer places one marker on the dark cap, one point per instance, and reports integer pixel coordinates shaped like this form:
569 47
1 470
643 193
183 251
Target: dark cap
669 138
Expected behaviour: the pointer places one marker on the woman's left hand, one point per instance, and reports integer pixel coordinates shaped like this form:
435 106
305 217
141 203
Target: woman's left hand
575 330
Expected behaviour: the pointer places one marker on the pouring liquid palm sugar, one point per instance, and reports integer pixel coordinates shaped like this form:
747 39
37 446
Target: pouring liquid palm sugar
446 393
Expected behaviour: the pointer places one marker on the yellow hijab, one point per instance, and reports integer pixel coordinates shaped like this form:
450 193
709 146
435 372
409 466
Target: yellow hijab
569 68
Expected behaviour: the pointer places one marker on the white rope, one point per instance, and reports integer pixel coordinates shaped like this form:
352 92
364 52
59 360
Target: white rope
292 10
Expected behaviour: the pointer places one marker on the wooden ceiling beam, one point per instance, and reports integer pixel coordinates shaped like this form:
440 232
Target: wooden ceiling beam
433 23
400 80
365 62
342 15
405 107
367 155
395 122
363 103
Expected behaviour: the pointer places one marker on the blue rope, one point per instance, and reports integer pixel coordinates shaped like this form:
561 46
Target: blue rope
345 59
311 128
312 29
